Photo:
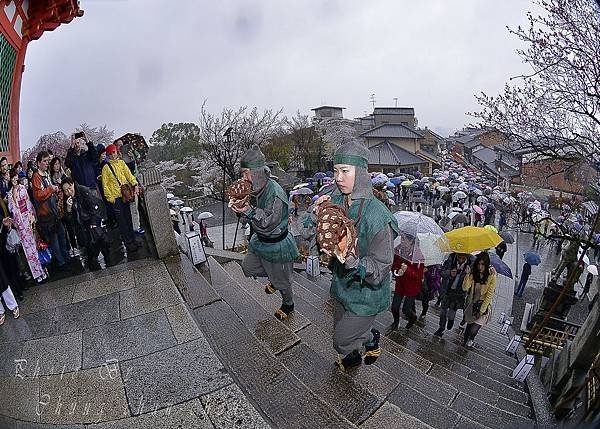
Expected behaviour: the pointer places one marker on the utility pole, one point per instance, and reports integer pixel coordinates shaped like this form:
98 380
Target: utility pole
395 101
372 98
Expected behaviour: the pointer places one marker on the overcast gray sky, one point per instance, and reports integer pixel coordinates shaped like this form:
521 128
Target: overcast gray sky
135 64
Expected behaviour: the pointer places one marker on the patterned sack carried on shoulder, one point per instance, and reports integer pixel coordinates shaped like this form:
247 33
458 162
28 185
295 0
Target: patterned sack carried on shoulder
336 233
239 193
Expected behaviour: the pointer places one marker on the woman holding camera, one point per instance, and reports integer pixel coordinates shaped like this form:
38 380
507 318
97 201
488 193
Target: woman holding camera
480 285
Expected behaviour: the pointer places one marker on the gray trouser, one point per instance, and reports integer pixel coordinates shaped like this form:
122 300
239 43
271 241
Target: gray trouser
448 312
351 331
279 274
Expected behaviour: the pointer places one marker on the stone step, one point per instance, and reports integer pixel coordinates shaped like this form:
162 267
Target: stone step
324 317
283 398
493 384
194 288
434 383
474 381
391 361
270 303
321 287
349 398
430 325
264 326
488 416
481 346
476 362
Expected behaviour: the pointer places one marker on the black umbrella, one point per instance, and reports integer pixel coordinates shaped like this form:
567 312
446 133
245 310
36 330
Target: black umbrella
437 204
419 200
507 237
460 218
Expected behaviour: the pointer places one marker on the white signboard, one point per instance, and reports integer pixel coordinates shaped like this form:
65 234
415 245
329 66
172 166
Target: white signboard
513 345
522 370
195 247
313 267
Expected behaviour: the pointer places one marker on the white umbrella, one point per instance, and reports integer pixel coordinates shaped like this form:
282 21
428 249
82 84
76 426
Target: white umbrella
178 202
586 260
459 195
170 196
205 215
593 270
435 248
186 210
443 189
301 185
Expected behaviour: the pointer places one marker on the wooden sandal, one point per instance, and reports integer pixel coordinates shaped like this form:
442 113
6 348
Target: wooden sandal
16 313
2 318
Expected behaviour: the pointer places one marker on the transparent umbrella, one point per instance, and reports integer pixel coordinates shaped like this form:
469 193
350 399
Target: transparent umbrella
408 243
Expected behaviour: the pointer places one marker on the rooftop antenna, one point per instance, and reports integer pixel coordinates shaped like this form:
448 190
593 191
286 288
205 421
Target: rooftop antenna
372 98
395 101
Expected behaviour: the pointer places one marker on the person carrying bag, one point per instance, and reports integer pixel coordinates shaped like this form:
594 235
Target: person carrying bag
120 188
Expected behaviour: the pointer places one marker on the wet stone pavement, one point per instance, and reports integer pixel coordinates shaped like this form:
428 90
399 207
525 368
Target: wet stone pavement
114 349
533 290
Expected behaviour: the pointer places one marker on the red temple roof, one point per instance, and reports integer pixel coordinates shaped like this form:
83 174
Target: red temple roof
46 15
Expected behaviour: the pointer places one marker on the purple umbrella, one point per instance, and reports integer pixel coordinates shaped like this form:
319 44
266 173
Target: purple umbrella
500 266
320 175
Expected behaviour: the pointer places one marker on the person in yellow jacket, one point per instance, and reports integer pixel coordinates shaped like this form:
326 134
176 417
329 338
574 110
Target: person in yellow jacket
480 285
114 174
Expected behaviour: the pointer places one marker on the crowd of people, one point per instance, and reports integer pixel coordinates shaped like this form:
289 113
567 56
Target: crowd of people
57 213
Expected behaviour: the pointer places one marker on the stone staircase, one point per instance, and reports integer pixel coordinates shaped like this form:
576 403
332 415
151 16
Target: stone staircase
286 368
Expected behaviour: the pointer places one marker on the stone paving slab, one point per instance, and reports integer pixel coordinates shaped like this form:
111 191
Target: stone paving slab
183 326
10 352
486 415
51 355
192 285
186 415
8 423
264 326
127 339
42 297
19 398
27 327
101 286
154 290
228 408
86 396
86 314
261 375
390 416
172 376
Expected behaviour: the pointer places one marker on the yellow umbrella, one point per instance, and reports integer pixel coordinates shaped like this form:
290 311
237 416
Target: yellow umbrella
470 239
491 228
406 183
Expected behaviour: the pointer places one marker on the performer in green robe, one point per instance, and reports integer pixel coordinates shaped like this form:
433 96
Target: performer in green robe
360 286
272 248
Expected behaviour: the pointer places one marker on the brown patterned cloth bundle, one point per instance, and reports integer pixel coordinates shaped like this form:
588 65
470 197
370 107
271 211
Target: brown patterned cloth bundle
239 193
336 233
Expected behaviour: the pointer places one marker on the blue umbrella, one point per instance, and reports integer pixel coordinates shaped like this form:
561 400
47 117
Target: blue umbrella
390 184
319 175
396 180
329 173
532 258
500 266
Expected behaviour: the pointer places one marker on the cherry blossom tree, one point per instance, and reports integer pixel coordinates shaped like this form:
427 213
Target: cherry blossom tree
554 111
56 142
247 127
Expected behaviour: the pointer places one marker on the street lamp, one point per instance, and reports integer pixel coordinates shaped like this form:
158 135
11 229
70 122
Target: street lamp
228 139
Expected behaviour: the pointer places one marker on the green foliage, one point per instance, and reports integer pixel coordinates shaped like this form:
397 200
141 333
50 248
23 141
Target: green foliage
175 142
279 149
